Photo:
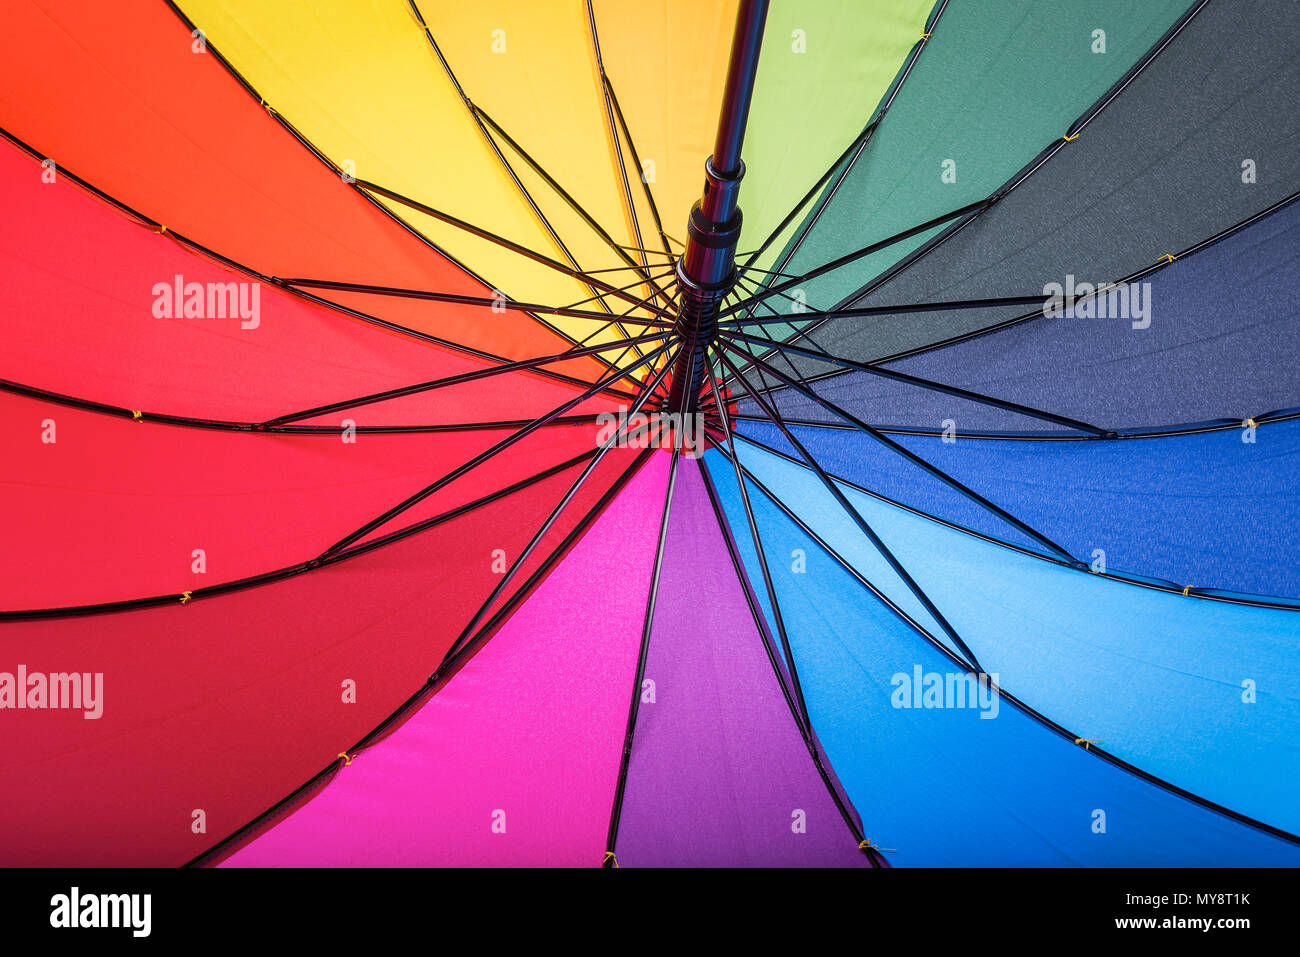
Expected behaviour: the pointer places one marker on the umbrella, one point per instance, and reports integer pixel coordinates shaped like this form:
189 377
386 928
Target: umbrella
407 462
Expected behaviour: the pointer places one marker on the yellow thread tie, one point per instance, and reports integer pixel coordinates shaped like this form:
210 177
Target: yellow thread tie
267 106
925 36
1070 139
610 856
137 415
1087 741
1186 590
866 845
347 758
186 596
1252 423
1167 258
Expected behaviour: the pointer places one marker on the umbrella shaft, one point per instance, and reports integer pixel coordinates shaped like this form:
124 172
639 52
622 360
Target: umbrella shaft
707 270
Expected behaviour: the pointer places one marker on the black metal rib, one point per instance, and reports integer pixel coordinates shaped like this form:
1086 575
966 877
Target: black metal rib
1154 584
785 348
642 268
616 810
572 272
484 456
452 380
160 418
823 355
857 254
823 544
848 159
396 292
854 515
540 534
265 578
645 185
920 462
613 131
768 584
899 309
333 167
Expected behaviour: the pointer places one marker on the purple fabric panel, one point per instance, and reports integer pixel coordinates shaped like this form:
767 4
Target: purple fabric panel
719 774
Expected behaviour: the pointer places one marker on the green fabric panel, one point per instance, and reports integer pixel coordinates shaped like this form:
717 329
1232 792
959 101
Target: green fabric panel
998 81
815 91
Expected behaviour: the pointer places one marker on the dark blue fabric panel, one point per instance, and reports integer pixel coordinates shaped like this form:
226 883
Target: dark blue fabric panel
1208 509
1222 343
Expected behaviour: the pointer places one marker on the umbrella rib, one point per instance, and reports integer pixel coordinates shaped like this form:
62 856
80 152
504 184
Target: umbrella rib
826 547
1029 316
781 288
482 457
458 379
572 272
920 462
619 434
507 607
655 292
897 309
643 654
785 348
854 515
288 571
496 150
642 268
857 254
636 160
769 586
613 132
225 425
795 702
1131 278
397 292
850 154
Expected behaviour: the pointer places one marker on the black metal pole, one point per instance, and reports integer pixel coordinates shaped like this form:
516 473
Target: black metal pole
707 270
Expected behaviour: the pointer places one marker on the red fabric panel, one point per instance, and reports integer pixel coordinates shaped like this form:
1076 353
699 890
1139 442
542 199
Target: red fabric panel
77 277
113 92
114 508
229 703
